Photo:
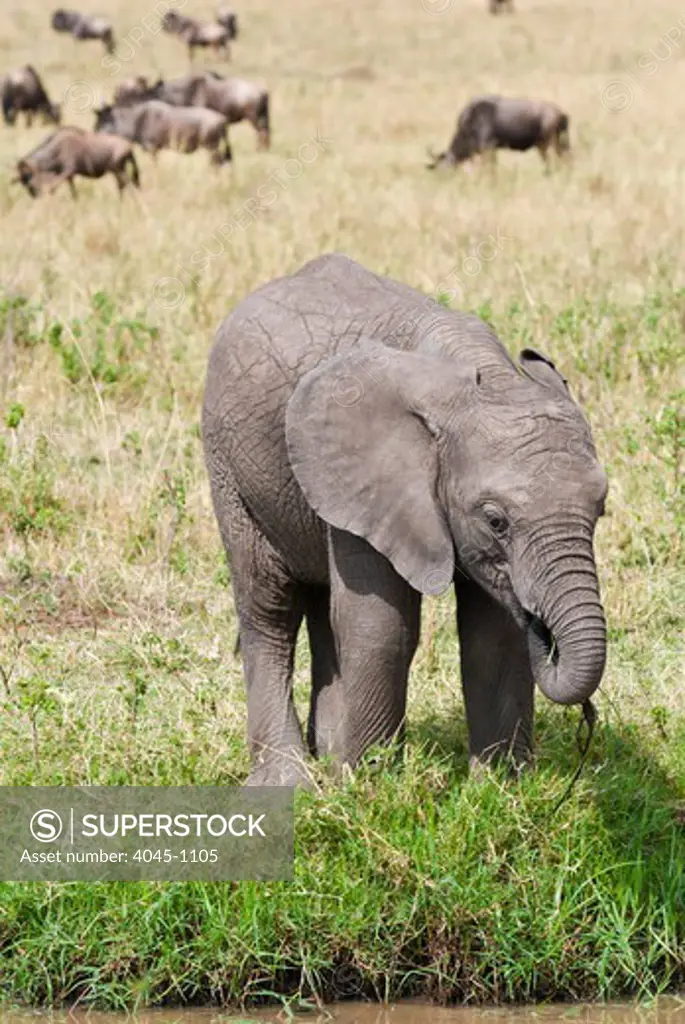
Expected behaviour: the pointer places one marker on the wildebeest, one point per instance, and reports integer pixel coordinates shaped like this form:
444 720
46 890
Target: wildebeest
198 33
236 98
84 26
495 6
24 93
72 151
155 125
489 123
227 17
131 90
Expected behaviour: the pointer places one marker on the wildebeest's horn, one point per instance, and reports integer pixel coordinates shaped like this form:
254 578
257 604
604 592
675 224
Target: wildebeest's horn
435 157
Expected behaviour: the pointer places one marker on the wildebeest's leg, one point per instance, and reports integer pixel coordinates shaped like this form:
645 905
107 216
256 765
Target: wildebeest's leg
228 152
543 147
488 158
29 118
562 145
66 175
135 175
260 119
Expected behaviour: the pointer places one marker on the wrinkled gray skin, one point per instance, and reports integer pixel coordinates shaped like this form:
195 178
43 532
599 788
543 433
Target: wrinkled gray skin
366 446
236 98
84 26
489 123
155 125
23 92
70 152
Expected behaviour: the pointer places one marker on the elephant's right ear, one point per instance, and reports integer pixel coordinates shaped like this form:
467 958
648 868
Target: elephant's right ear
366 457
541 369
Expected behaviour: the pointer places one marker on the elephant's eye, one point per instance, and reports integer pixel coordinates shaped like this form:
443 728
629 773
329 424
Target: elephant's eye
497 521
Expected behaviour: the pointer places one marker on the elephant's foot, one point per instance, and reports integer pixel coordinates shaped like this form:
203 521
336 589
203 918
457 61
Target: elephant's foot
283 770
515 762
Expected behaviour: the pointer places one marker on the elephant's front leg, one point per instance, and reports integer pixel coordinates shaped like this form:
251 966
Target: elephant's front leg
375 616
496 677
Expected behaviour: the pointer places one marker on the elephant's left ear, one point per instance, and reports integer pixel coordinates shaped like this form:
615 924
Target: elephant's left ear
363 446
541 369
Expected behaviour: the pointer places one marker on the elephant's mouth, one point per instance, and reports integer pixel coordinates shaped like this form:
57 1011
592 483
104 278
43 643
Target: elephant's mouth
542 638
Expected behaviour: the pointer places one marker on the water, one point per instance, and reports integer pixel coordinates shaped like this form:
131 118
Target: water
665 1011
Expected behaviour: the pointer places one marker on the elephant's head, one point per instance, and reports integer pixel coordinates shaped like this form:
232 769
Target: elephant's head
446 466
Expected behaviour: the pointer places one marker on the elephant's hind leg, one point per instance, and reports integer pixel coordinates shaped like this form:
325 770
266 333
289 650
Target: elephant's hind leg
270 606
496 677
324 728
375 616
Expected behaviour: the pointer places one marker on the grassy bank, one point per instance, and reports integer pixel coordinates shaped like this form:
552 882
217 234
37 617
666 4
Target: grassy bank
416 884
116 618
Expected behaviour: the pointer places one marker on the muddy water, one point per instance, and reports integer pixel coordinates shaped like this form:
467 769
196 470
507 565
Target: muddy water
665 1011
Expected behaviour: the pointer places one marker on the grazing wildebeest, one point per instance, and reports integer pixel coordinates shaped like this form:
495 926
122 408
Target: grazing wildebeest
131 90
72 151
84 26
236 98
227 17
198 33
155 125
495 6
489 123
24 93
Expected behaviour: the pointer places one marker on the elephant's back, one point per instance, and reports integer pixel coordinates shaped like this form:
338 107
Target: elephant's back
264 347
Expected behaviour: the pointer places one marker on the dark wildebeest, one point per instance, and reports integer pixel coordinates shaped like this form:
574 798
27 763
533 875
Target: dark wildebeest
236 98
227 17
24 93
495 6
84 26
489 123
198 33
131 90
155 125
72 151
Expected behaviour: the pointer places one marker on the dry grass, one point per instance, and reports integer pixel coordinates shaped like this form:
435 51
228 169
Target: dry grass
103 482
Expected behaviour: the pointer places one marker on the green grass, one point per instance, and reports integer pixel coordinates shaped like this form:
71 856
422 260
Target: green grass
414 882
116 667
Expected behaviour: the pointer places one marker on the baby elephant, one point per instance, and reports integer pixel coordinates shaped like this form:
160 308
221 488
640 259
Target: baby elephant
489 123
69 152
366 446
84 26
24 93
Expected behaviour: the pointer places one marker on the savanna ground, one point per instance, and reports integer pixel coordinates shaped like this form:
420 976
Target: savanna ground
117 620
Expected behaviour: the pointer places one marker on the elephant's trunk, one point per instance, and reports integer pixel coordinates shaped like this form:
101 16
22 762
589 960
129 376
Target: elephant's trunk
567 633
